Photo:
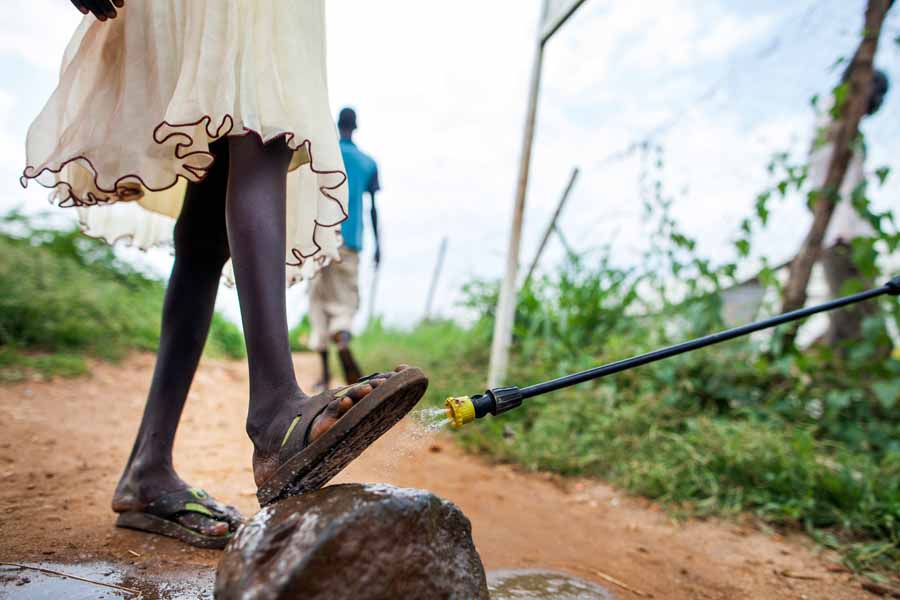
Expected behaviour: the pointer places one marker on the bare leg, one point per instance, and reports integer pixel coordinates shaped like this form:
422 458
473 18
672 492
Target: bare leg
352 372
255 216
201 249
326 370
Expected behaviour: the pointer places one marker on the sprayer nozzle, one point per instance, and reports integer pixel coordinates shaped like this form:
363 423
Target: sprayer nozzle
460 410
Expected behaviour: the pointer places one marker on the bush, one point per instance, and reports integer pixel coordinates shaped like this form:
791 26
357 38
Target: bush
299 335
66 296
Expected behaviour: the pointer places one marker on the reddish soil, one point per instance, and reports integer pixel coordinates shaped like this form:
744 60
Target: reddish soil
63 442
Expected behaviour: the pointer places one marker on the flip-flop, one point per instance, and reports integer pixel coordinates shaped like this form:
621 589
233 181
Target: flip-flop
159 517
305 466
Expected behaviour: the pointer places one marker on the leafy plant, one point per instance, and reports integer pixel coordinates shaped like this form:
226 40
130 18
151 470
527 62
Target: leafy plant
66 297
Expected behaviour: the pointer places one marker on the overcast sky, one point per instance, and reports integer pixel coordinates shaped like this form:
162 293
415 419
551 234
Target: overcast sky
440 92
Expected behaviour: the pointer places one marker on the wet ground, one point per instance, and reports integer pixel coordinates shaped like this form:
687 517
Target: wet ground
534 584
102 580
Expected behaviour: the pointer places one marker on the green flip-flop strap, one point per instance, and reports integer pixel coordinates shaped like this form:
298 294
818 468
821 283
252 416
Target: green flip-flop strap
189 500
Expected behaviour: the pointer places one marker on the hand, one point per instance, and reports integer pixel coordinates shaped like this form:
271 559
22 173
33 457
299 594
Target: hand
102 9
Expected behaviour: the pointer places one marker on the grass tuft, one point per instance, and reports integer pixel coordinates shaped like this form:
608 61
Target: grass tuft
67 297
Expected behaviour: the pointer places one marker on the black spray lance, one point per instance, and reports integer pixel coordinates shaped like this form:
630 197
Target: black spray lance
465 409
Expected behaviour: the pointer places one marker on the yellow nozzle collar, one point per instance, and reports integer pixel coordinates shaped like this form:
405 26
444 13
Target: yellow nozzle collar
460 410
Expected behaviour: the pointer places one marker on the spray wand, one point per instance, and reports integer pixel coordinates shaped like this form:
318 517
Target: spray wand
465 409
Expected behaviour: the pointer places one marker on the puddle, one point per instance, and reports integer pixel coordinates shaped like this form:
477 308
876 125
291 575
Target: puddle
534 584
146 583
197 584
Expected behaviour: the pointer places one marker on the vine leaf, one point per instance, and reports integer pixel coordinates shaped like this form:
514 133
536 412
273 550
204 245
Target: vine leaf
887 392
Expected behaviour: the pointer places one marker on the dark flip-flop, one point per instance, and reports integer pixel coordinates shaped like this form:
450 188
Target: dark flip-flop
159 517
308 466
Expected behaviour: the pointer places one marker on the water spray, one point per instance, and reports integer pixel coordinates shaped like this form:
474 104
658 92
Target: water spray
465 409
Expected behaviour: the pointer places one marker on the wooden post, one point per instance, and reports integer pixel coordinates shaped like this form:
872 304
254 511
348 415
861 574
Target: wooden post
372 289
551 226
506 303
434 278
857 103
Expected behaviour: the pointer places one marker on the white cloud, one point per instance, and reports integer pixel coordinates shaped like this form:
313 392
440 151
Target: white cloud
37 31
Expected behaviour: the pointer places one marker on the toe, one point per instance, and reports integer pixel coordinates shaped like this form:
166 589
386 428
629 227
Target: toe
326 420
204 525
359 392
400 368
233 517
346 404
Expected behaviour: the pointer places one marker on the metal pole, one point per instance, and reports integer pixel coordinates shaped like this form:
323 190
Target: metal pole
506 304
434 278
551 226
498 400
547 33
892 287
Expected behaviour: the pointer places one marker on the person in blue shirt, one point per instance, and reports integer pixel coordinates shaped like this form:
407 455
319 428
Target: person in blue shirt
334 292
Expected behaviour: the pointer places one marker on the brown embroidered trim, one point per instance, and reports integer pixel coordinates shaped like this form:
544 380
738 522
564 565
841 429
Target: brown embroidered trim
226 127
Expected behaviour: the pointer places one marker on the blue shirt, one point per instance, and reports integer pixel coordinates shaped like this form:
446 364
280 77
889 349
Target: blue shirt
362 176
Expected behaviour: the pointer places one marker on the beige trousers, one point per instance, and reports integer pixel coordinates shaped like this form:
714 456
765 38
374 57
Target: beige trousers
333 299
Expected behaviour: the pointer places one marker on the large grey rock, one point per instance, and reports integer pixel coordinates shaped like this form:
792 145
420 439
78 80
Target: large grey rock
354 541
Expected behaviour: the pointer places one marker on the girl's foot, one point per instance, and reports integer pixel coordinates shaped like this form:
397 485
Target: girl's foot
342 399
158 501
317 436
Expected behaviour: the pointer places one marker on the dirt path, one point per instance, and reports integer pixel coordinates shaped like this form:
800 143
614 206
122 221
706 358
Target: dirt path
62 444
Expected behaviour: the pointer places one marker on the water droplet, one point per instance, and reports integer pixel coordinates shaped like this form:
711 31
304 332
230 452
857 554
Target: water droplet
431 419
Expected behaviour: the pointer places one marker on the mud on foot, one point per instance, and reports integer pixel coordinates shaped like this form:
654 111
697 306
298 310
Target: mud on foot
138 488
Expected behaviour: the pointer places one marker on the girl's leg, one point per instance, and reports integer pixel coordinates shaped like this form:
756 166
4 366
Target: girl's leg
324 382
255 215
201 250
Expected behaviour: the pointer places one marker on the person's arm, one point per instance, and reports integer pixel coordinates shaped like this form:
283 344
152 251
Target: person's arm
374 186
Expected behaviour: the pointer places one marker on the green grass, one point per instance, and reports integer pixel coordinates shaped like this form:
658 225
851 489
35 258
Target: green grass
66 297
299 335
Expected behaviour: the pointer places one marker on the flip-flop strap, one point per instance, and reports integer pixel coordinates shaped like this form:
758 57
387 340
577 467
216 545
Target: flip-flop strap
296 438
188 500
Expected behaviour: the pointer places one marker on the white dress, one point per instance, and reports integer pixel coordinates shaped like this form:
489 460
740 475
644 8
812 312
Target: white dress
141 97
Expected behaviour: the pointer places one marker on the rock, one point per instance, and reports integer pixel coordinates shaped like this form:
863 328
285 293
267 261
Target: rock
535 584
354 541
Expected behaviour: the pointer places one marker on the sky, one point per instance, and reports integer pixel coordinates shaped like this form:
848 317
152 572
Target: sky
440 90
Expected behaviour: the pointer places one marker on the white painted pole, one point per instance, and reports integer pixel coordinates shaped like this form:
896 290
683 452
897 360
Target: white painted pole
372 290
506 304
